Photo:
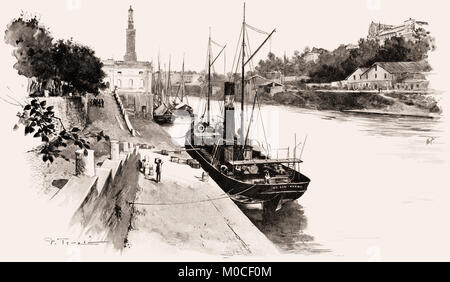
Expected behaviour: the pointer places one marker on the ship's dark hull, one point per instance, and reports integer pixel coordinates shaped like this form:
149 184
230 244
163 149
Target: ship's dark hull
166 118
170 116
247 191
163 120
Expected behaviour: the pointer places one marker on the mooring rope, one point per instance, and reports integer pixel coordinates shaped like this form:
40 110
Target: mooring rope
178 203
231 197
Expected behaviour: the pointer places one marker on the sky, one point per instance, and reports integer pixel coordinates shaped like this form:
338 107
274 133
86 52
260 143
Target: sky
174 28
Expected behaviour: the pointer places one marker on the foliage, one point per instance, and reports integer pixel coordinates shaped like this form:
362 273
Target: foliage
79 70
30 39
40 120
62 67
272 63
338 64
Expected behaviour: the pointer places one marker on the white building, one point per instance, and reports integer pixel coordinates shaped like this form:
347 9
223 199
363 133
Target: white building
390 76
131 78
353 80
407 30
128 77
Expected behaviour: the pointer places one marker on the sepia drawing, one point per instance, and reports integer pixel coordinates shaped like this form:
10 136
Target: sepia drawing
300 137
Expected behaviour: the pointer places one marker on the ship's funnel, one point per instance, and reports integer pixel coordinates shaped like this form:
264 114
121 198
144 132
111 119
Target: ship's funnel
229 88
228 132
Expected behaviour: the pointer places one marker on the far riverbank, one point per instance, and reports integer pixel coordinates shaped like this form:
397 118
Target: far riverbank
389 103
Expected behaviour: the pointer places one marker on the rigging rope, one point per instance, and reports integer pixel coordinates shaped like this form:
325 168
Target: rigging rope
249 52
256 29
217 44
262 32
236 53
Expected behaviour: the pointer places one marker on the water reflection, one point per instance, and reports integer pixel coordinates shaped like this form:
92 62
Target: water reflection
286 229
343 153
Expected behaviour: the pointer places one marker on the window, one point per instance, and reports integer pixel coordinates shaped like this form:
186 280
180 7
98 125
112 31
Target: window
141 84
119 83
130 83
376 76
385 76
141 72
119 72
376 67
354 77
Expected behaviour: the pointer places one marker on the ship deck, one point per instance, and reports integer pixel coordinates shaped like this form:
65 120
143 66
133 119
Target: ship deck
265 161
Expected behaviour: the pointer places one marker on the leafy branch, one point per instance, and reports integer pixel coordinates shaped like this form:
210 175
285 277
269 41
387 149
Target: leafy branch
40 120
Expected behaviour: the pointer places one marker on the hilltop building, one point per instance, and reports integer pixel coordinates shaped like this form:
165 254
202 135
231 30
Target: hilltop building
132 78
382 32
313 55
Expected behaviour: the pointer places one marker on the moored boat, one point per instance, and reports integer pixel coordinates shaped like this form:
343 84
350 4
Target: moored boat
241 169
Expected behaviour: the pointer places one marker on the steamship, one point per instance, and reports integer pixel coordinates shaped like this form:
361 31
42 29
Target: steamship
243 171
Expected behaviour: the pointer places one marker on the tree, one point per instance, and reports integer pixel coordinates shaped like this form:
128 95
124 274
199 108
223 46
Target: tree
394 49
59 64
62 67
341 62
272 63
30 39
330 66
78 68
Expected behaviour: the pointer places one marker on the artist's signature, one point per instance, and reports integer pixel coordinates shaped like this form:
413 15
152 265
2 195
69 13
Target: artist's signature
61 241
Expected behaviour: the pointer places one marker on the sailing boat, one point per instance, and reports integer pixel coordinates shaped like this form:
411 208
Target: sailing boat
163 112
243 171
182 108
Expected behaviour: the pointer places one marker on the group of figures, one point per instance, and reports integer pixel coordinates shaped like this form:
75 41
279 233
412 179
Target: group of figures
100 103
146 167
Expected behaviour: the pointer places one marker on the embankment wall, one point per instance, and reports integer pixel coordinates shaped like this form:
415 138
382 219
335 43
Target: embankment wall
100 205
71 110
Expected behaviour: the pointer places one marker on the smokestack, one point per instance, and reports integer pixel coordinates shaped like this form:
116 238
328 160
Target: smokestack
229 123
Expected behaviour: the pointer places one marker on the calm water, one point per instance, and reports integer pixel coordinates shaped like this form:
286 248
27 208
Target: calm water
378 190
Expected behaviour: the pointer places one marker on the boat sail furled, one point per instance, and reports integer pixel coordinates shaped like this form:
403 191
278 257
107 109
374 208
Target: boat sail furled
180 102
162 112
168 106
243 171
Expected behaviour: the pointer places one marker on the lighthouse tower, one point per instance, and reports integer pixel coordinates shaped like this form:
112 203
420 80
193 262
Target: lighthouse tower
130 55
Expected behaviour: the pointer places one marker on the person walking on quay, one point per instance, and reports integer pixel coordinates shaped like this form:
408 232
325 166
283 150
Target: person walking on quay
267 176
158 170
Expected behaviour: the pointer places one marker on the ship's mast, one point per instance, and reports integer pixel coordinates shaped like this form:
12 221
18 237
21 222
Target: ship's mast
182 81
158 85
209 76
169 84
164 87
243 80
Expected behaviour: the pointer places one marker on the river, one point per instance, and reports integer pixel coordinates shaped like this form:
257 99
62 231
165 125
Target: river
379 184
